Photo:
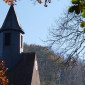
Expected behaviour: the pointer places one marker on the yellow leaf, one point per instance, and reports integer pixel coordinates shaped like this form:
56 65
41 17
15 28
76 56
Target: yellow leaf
1 71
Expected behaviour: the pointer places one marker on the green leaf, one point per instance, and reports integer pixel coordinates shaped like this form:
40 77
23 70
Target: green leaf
71 9
82 24
75 1
74 8
81 3
84 30
83 13
77 10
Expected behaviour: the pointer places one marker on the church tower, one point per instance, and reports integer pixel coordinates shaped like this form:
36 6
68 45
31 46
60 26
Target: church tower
11 39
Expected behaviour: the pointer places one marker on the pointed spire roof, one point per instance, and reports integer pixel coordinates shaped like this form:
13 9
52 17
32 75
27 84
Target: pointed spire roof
11 22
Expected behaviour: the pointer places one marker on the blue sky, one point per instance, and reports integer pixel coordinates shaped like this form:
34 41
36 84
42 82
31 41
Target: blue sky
36 19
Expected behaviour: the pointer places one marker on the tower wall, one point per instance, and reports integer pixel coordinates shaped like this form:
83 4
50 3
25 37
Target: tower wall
11 53
1 45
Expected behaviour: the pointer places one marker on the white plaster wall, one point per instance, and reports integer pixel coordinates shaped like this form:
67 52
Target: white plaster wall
35 75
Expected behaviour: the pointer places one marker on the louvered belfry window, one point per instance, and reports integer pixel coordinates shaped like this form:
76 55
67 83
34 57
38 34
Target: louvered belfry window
7 39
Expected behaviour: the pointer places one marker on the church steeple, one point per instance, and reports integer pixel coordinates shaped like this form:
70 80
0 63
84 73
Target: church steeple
11 22
11 39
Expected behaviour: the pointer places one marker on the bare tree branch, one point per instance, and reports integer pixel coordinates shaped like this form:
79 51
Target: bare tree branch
67 36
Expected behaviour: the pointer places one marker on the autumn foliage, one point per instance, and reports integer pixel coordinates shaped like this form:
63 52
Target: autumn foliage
46 1
13 2
3 78
10 2
78 6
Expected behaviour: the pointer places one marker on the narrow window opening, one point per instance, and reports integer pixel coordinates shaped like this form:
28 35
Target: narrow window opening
21 41
7 39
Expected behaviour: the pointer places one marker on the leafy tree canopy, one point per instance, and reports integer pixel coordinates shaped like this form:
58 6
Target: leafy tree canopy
79 8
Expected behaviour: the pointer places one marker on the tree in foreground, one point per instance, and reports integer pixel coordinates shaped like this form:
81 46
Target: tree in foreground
67 36
78 6
3 69
13 2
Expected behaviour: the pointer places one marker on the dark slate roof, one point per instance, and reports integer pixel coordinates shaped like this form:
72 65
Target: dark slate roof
11 22
22 75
